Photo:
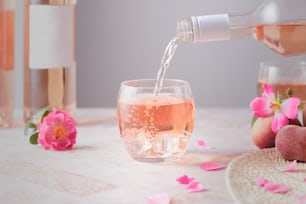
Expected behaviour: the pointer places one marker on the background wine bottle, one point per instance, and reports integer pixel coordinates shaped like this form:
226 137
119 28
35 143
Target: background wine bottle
50 65
7 23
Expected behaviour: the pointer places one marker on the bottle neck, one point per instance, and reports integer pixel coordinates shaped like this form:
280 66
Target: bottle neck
212 28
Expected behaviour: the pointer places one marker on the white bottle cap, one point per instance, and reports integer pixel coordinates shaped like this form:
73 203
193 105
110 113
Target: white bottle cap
211 27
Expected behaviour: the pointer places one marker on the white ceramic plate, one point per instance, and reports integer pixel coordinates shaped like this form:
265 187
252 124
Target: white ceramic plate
242 172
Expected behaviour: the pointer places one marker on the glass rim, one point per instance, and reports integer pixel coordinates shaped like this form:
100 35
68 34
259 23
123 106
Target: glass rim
134 83
282 71
281 64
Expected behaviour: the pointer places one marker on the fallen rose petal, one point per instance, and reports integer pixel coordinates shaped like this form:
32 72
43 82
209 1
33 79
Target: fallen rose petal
194 186
211 166
201 143
261 181
162 198
301 198
305 179
291 167
184 179
275 188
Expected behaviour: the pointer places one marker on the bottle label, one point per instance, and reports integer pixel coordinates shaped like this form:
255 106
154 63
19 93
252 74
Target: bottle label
51 36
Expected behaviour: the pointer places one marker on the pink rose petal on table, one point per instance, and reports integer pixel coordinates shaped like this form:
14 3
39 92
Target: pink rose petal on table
162 198
184 179
301 198
305 179
261 181
291 167
275 188
194 186
211 166
201 143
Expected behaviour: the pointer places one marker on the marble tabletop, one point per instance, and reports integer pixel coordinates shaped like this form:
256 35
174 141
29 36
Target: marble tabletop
99 170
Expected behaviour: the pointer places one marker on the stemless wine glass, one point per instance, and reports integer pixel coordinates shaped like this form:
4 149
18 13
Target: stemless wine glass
283 76
155 127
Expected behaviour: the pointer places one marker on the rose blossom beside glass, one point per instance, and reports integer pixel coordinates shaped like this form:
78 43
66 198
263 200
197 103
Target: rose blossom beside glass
271 103
57 131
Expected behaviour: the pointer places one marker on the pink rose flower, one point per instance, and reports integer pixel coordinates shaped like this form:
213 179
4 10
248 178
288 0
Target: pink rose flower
57 131
269 104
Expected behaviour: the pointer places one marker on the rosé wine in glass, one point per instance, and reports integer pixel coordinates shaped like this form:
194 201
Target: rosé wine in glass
155 128
283 76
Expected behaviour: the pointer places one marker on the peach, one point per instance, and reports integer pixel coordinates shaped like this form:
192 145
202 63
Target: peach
262 134
290 141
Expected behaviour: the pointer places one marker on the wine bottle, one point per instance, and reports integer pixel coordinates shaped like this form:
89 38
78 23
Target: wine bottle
7 23
50 64
279 24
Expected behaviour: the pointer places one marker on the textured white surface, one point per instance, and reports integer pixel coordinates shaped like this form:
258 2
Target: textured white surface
243 171
99 170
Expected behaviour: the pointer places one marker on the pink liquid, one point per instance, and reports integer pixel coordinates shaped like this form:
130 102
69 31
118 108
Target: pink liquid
6 66
285 39
296 89
156 126
7 40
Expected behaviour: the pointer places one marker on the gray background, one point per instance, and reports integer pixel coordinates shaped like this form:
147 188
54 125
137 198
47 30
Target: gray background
119 40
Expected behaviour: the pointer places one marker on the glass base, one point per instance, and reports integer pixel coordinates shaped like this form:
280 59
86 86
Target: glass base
150 160
5 120
157 159
165 146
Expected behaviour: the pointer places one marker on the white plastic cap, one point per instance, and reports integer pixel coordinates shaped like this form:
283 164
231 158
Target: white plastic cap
211 27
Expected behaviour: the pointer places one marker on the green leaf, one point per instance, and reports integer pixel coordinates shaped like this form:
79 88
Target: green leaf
253 120
280 98
39 115
30 129
33 138
288 92
301 106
